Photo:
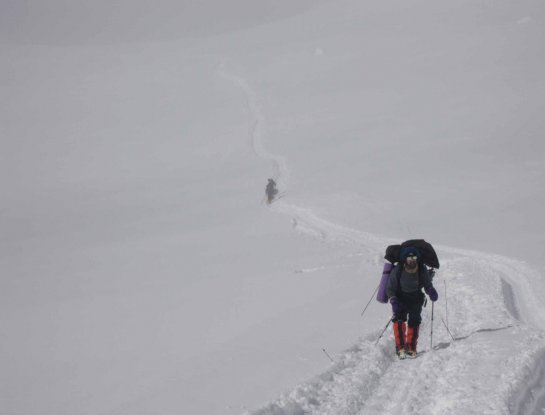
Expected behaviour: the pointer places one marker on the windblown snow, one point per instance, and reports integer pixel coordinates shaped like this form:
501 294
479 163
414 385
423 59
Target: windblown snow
143 271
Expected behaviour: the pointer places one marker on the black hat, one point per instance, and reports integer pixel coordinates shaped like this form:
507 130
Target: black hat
408 251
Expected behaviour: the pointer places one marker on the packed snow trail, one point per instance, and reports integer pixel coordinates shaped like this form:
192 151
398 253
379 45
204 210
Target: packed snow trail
256 128
495 316
482 371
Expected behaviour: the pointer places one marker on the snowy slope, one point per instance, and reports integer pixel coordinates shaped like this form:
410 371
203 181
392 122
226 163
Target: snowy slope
490 361
142 272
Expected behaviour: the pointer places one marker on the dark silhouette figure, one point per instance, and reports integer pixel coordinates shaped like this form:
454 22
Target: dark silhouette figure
271 191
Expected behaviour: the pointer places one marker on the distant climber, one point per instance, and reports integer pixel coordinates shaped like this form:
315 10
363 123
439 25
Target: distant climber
271 191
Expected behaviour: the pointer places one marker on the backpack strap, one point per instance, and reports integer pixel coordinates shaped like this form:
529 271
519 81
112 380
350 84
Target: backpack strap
398 276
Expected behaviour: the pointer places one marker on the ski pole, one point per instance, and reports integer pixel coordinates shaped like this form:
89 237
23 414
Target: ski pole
446 303
431 335
381 334
453 339
371 299
327 354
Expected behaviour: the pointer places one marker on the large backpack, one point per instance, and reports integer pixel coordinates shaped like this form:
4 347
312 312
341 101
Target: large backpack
428 258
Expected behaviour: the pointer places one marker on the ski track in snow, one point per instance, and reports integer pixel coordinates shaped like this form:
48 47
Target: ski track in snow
494 306
256 128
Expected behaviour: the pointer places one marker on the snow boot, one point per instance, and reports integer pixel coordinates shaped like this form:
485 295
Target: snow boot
412 340
399 334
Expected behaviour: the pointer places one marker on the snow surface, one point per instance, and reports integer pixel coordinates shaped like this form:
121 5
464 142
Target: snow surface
143 272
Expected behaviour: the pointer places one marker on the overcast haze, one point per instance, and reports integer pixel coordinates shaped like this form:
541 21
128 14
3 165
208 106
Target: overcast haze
64 22
142 271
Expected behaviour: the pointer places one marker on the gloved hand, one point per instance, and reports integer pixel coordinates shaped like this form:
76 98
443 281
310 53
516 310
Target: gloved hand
396 305
432 292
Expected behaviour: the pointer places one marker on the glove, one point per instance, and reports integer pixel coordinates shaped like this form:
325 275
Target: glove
396 305
432 292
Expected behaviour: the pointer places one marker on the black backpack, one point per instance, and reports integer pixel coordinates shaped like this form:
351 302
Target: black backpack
428 258
427 253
